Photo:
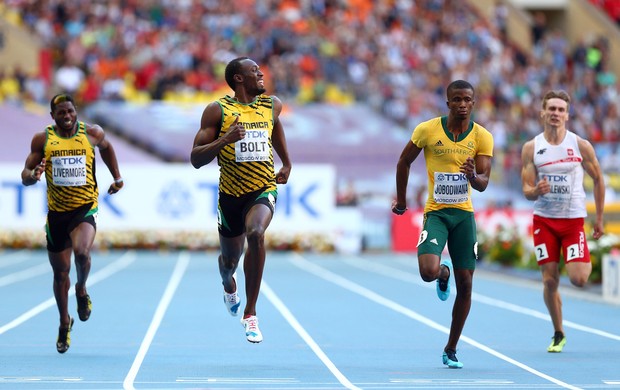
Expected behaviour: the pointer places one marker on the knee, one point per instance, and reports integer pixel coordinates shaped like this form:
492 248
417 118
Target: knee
81 250
82 255
61 276
430 271
429 274
229 262
578 273
551 283
579 280
464 289
463 279
255 235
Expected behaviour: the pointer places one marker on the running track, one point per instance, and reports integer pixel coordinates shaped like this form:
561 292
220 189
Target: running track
329 322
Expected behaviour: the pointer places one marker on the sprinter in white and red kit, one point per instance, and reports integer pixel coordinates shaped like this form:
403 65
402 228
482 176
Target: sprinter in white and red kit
553 169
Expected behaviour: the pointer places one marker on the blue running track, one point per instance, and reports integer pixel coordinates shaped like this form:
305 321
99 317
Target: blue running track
328 321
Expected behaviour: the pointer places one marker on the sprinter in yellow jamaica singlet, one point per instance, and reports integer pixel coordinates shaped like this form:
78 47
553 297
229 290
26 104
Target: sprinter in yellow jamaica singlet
65 152
242 131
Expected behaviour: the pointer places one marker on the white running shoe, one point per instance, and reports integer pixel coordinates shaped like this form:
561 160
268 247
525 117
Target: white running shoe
232 301
252 333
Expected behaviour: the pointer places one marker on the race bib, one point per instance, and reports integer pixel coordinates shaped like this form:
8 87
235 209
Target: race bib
561 187
451 188
69 171
254 147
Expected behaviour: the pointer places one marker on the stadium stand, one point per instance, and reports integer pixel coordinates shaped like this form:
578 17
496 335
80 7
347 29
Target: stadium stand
395 57
358 141
20 123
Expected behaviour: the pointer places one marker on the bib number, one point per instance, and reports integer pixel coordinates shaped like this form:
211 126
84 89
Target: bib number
450 188
254 147
69 171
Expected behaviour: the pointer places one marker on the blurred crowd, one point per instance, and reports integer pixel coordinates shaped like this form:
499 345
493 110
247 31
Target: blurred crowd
397 56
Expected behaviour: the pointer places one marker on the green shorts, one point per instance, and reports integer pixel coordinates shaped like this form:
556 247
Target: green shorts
455 227
60 224
233 209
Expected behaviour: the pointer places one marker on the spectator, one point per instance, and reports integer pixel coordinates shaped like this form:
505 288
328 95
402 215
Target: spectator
69 78
394 56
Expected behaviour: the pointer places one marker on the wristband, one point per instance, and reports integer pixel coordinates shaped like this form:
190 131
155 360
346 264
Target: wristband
118 181
32 174
400 210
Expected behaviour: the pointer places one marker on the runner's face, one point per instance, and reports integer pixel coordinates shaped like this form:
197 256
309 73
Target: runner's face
253 78
461 103
555 113
65 116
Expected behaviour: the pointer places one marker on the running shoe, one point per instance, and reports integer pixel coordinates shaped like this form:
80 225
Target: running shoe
450 360
557 342
252 333
443 286
232 301
64 338
84 307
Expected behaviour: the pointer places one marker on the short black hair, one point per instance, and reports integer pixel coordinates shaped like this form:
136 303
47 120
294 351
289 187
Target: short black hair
459 84
60 98
233 68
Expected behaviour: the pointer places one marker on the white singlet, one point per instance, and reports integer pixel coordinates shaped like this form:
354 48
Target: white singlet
561 165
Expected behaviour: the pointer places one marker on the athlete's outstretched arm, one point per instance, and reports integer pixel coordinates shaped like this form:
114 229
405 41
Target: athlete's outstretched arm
592 167
278 140
97 137
407 157
532 188
35 163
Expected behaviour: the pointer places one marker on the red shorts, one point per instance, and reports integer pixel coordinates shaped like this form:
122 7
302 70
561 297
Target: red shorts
552 235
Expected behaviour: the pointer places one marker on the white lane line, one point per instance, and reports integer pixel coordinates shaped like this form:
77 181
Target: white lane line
13 258
541 315
106 272
458 383
39 379
25 274
323 273
399 274
173 283
532 284
261 381
290 318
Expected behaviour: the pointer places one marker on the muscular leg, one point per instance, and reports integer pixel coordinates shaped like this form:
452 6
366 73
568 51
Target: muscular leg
578 272
82 237
231 250
462 303
430 269
61 265
257 221
551 281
